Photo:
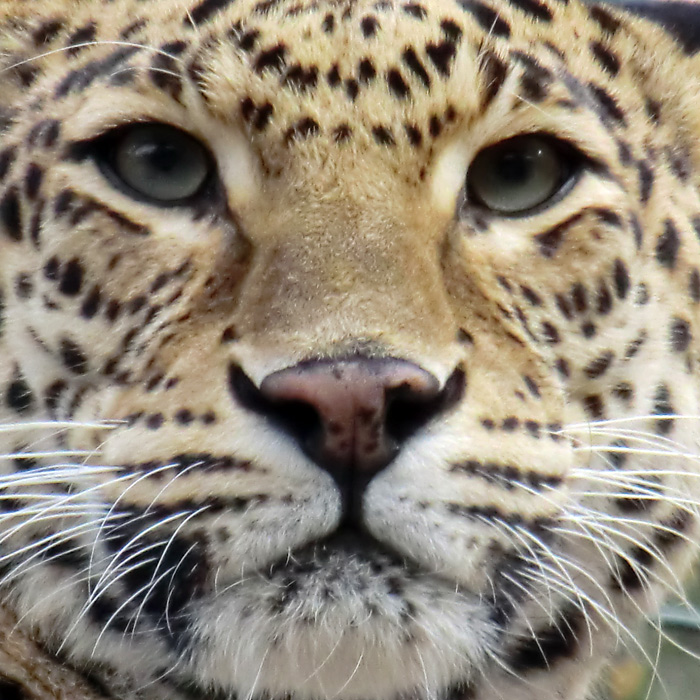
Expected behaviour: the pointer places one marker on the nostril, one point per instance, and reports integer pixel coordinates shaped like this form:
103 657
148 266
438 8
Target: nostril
295 417
408 412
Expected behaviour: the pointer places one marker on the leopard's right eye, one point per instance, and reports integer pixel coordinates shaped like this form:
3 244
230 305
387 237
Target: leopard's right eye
155 162
516 176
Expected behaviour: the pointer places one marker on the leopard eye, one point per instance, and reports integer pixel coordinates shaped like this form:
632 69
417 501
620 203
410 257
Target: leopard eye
157 162
519 174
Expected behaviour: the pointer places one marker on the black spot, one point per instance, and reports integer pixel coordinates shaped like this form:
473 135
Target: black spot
84 35
604 300
19 396
646 180
667 245
562 366
607 59
441 56
605 20
415 10
530 295
621 278
203 11
434 126
47 31
305 128
579 297
53 393
273 59
342 133
487 18
352 88
414 135
263 116
32 180
452 30
366 71
24 285
558 640
694 284
155 421
494 72
550 333
382 135
609 109
532 386
328 24
653 109
91 303
564 306
598 367
633 348
73 356
164 74
680 335
397 85
413 63
301 78
333 76
247 40
663 407
71 278
534 8
7 158
637 231
184 416
369 26
588 329
10 214
594 407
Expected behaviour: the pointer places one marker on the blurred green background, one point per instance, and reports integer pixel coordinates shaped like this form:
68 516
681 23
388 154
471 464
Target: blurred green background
678 671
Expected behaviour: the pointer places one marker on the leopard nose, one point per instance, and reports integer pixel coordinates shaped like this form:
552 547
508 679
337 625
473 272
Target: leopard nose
350 416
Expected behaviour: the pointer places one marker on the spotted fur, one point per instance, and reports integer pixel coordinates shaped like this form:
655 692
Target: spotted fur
163 538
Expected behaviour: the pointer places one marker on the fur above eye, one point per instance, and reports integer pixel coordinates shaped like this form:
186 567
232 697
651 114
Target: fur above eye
515 176
155 162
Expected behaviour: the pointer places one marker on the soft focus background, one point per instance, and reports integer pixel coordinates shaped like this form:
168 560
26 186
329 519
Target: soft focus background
673 648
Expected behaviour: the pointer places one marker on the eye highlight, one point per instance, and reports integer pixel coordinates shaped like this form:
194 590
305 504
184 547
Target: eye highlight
515 176
155 162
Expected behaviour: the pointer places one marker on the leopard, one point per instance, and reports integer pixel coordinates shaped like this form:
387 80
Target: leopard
348 348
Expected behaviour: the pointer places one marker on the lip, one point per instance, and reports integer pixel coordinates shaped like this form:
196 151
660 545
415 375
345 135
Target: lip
346 541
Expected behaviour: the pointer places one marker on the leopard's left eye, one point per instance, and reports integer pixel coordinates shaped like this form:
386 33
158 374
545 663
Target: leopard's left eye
520 174
155 162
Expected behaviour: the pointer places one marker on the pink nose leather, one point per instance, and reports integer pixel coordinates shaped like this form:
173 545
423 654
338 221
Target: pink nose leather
351 400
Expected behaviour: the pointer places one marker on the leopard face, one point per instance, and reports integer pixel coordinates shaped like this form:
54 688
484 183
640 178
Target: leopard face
348 348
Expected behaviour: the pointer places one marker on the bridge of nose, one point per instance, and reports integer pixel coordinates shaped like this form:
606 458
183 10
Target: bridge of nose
352 267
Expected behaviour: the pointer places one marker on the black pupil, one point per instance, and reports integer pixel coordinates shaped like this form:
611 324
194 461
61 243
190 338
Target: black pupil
514 167
159 156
